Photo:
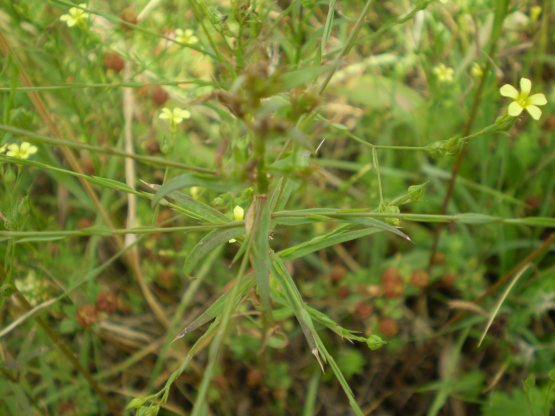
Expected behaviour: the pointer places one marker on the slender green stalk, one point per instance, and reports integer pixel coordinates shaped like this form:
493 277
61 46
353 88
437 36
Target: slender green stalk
155 161
348 46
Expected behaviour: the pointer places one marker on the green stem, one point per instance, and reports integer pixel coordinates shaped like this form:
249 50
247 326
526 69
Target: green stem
348 46
150 160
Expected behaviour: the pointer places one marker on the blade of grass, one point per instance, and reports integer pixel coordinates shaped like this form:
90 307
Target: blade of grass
501 300
260 254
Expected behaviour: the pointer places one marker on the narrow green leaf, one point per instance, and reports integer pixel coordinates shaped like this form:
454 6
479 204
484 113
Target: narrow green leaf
303 316
207 244
300 77
261 253
216 308
198 210
337 236
328 26
186 181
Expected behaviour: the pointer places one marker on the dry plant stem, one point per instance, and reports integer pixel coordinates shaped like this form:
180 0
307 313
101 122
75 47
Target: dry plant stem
128 106
41 109
69 355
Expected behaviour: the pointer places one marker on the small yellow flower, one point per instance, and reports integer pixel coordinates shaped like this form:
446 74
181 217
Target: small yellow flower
238 213
174 116
535 12
523 100
21 152
3 148
185 37
476 70
444 73
195 190
76 16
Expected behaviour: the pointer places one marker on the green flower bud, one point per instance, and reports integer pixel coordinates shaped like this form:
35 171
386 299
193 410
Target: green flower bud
375 342
446 147
415 192
504 122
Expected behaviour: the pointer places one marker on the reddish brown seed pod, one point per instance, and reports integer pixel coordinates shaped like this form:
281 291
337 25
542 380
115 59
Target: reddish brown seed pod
338 272
420 278
159 95
128 17
343 292
363 310
114 61
86 315
392 283
388 327
107 302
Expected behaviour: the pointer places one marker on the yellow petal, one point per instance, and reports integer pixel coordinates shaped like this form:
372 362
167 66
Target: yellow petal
508 90
537 99
525 86
534 111
515 109
165 114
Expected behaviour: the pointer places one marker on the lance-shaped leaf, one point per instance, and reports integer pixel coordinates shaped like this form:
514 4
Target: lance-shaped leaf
216 308
337 236
188 180
261 252
208 243
194 209
303 315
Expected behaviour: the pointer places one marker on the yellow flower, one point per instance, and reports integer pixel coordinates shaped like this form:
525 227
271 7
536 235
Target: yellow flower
186 37
76 16
535 12
476 70
195 190
238 213
3 148
523 100
444 73
21 152
175 116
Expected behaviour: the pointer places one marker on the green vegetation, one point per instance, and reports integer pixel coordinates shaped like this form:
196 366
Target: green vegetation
291 207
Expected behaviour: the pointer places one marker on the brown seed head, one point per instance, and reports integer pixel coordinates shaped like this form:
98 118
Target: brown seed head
86 315
114 61
107 302
388 327
159 95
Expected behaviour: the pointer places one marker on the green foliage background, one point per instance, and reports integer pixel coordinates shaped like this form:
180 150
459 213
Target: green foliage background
393 213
